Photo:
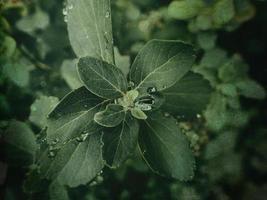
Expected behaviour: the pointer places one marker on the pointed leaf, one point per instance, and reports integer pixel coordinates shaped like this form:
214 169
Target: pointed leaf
120 142
111 116
90 28
73 116
103 79
138 113
165 148
76 163
188 97
161 64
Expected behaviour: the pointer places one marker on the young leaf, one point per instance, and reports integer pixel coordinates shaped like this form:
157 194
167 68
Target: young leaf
111 116
76 163
161 64
23 142
58 191
165 148
73 116
223 11
138 113
188 97
120 142
251 89
41 108
90 28
103 79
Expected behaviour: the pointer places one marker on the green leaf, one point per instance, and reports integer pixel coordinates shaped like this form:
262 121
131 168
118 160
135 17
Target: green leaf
138 113
18 72
31 23
184 9
165 148
102 79
41 108
76 163
73 116
90 28
223 11
161 64
110 117
120 142
251 89
22 142
70 74
188 97
122 62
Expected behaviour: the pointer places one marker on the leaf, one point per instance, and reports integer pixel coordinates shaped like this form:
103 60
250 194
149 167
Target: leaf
138 113
76 163
31 23
70 74
41 108
73 116
110 117
18 73
188 97
120 142
251 89
165 148
90 28
22 142
184 9
223 11
102 79
161 64
122 62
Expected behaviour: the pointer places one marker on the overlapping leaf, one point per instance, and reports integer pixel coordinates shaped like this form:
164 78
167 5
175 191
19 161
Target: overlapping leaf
120 142
102 79
188 97
73 116
161 64
165 148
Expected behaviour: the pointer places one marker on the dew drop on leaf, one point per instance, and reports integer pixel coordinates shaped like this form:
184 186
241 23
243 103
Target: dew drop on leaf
65 11
82 137
55 141
167 114
51 154
66 19
151 90
70 6
107 14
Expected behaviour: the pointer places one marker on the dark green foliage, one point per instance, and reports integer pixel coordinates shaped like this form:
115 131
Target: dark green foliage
132 99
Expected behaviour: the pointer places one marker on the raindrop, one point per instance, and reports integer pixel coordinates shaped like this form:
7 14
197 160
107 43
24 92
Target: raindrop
51 154
107 14
131 84
87 36
65 11
93 183
70 6
82 137
164 87
55 141
167 114
151 90
198 116
66 19
85 105
105 32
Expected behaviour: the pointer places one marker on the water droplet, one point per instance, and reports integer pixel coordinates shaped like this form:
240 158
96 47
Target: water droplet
82 137
51 154
87 36
66 19
70 6
34 108
198 116
151 90
85 105
65 11
167 114
164 87
105 32
131 84
107 14
55 141
93 183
